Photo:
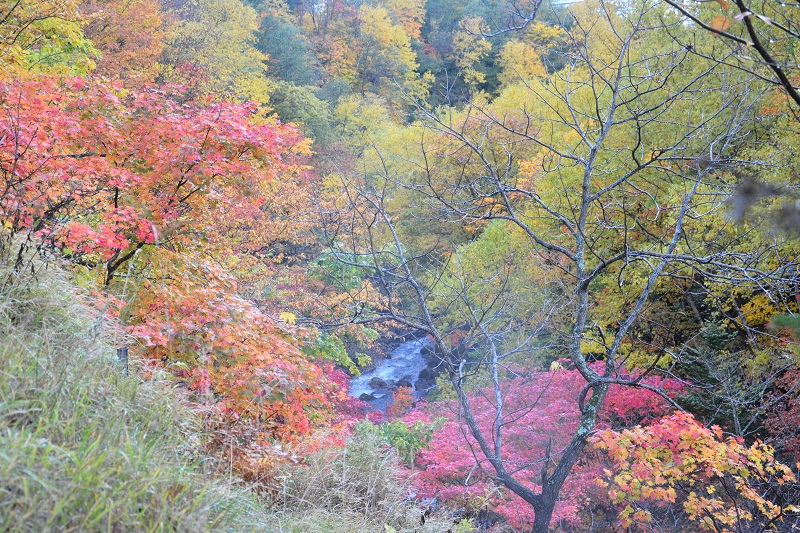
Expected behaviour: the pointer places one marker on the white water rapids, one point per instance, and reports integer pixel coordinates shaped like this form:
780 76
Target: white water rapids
405 362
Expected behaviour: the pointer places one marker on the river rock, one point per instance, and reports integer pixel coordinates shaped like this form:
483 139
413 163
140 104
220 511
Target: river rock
405 382
366 397
427 379
377 383
428 350
428 374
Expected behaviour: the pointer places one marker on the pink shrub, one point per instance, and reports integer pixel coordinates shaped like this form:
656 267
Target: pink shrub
540 413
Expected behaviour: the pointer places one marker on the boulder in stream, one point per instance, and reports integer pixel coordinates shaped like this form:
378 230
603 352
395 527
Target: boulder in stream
428 374
428 351
377 383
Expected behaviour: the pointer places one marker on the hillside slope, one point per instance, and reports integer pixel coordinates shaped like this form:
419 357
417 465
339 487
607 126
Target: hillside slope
84 448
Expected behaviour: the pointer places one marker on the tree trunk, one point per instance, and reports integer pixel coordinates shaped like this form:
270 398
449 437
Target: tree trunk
544 514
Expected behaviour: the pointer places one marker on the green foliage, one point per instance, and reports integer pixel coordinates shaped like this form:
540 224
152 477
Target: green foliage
344 273
86 448
462 526
64 49
213 49
407 440
387 58
789 322
705 366
334 90
44 36
444 33
301 106
290 56
331 348
732 382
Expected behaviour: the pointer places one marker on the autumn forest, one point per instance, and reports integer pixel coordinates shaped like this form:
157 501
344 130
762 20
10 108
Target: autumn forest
583 216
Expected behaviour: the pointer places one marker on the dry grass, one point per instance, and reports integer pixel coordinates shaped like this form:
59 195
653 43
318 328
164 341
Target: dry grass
353 490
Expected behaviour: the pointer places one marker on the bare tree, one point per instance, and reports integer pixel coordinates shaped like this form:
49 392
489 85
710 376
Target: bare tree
607 172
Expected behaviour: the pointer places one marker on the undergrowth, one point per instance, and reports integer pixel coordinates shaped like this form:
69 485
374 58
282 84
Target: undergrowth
353 489
85 448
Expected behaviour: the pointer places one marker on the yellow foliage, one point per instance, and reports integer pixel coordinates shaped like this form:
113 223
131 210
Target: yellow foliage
592 346
650 461
44 36
759 310
545 36
289 318
637 358
469 48
362 116
409 13
278 8
387 47
519 61
217 38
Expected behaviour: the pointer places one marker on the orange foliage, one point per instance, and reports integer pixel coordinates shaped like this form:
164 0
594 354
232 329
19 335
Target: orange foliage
717 480
154 194
130 36
402 401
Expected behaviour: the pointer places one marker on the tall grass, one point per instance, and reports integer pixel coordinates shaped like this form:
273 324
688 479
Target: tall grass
83 448
353 489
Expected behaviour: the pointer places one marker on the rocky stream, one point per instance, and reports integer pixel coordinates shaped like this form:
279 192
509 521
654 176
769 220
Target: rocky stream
409 364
